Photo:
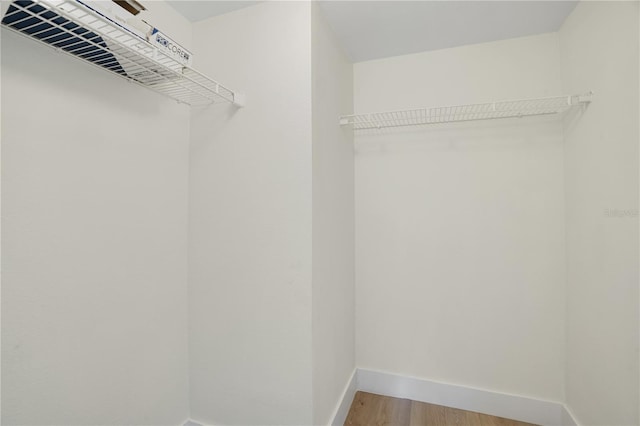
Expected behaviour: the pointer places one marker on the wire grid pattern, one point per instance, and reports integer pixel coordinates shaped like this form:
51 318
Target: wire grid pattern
74 28
460 113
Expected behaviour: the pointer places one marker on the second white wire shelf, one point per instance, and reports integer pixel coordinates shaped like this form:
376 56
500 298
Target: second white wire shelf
471 112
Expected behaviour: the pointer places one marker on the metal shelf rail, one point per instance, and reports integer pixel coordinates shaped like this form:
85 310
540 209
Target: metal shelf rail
73 27
471 112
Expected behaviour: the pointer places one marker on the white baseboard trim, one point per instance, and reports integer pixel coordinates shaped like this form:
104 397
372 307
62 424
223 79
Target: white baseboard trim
341 411
498 404
514 407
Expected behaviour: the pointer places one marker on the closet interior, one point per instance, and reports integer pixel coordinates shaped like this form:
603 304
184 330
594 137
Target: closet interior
244 213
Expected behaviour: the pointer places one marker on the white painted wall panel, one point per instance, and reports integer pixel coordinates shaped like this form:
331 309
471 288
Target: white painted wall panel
460 229
94 220
599 46
333 222
250 222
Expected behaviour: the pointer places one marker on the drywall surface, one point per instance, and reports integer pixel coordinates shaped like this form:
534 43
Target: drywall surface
94 220
163 16
460 228
333 222
599 46
250 221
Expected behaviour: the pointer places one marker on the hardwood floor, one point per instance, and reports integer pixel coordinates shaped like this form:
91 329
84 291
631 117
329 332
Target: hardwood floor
369 409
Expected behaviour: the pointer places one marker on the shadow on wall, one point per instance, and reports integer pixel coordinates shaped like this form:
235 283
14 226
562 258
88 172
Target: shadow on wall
514 134
213 123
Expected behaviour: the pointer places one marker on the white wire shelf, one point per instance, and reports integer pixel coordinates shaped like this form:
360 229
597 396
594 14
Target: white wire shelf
472 112
74 28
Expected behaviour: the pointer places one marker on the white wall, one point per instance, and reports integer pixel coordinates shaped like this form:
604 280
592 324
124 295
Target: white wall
94 194
250 221
460 228
333 222
599 46
163 16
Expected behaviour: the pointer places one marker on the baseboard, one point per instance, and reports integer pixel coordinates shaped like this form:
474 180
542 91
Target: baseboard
514 407
341 411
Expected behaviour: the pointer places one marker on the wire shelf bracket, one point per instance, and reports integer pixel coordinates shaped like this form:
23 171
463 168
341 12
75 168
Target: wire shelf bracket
74 28
472 112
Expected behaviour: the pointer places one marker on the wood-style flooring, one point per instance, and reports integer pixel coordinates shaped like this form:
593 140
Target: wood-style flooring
369 409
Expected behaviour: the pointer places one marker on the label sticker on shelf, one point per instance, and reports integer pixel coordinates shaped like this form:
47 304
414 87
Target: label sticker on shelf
170 47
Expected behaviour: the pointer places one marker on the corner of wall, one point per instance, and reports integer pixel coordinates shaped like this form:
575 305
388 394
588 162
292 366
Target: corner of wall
333 287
